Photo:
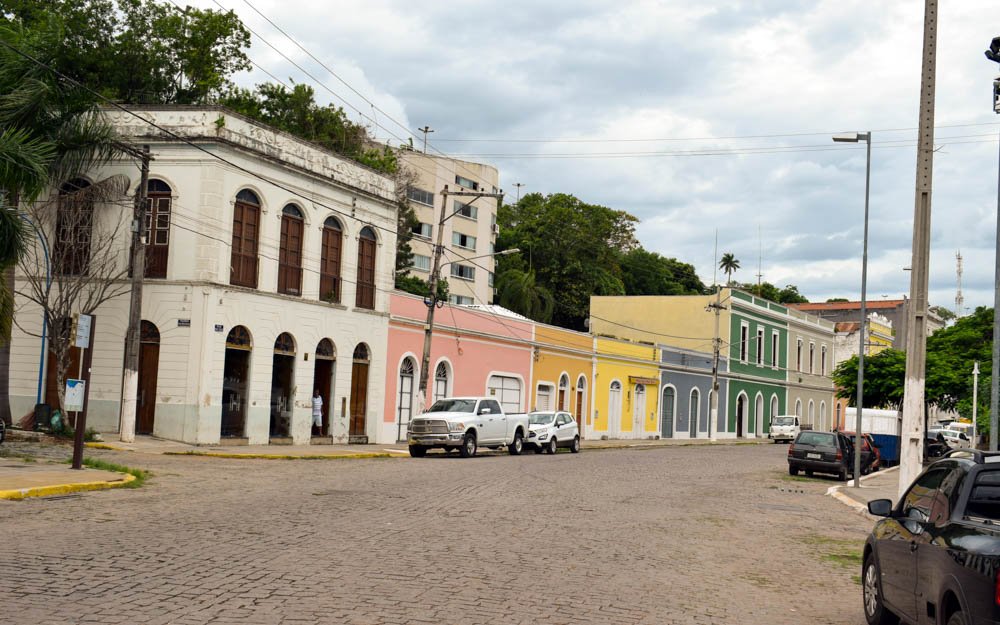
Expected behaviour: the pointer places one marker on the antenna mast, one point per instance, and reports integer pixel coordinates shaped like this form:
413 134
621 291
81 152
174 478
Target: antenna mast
959 299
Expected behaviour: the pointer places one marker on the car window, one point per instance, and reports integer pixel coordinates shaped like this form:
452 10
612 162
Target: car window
492 405
784 421
947 496
984 499
918 501
817 438
562 419
540 418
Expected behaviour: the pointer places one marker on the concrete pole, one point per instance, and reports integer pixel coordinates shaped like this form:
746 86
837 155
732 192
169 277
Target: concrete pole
858 431
713 409
431 301
975 400
912 430
130 376
995 375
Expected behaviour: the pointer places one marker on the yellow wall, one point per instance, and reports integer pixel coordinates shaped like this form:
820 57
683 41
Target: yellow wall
685 316
879 337
561 352
622 361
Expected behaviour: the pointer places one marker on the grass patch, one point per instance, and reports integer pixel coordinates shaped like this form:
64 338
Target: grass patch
856 579
140 475
844 559
798 478
6 453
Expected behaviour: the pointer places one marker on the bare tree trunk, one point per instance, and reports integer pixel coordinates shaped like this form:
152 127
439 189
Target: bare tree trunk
8 277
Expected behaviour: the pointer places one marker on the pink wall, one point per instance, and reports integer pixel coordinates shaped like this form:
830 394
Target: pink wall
476 344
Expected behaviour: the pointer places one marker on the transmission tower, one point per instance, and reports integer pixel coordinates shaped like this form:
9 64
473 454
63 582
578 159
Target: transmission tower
959 299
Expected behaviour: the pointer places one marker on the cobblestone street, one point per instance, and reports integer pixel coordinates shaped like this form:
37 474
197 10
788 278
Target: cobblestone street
686 535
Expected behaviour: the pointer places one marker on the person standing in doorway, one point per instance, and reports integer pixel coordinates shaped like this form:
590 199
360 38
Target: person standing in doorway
317 414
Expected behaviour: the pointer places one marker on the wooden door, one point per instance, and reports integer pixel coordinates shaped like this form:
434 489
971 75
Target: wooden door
246 221
157 234
329 267
579 410
290 256
359 398
149 361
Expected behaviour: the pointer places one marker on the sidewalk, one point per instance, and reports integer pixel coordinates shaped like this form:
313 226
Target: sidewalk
20 479
880 485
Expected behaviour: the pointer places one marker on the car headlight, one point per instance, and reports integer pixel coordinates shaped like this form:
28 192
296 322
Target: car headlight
456 427
542 437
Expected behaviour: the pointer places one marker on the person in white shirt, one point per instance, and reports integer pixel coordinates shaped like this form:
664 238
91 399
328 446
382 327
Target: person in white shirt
317 413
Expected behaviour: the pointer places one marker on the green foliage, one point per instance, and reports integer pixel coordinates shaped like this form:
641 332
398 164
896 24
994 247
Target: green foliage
648 273
729 264
573 250
416 286
884 375
945 314
837 299
788 295
296 111
518 291
140 475
139 51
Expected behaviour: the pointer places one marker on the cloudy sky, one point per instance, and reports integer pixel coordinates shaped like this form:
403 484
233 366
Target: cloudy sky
696 117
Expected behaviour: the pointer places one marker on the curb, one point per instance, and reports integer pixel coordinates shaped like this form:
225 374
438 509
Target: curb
721 443
212 454
63 489
860 508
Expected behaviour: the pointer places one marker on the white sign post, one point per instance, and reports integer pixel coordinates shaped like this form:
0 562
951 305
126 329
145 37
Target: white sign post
83 331
74 395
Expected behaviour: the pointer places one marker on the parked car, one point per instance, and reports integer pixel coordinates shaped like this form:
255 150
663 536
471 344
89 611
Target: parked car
784 428
933 448
954 438
935 555
547 431
869 452
3 431
467 423
821 452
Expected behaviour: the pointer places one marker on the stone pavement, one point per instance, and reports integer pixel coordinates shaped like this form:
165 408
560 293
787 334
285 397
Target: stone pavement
880 485
669 535
21 478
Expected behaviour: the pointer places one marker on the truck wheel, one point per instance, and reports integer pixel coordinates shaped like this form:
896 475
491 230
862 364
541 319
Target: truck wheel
468 448
793 470
551 448
575 448
517 446
418 451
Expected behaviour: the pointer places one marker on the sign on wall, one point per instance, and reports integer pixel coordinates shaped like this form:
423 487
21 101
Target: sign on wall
74 395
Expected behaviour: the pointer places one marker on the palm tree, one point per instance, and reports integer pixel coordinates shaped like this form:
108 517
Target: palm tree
517 290
729 264
52 131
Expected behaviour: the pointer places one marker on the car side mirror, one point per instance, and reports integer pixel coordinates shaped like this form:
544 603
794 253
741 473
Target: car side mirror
485 411
880 507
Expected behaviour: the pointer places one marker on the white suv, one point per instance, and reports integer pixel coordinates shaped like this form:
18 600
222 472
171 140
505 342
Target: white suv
548 431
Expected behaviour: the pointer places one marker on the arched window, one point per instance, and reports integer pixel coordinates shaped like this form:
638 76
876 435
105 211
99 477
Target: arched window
404 404
239 338
329 265
157 228
284 344
798 407
246 234
148 332
74 227
366 270
361 353
290 251
822 414
563 391
441 381
774 406
694 407
812 412
326 350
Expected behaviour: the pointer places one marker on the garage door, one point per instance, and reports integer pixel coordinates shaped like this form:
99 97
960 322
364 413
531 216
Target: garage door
507 391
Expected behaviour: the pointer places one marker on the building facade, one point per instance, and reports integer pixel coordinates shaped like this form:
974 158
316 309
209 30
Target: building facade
562 373
469 234
686 392
810 358
269 270
895 311
626 389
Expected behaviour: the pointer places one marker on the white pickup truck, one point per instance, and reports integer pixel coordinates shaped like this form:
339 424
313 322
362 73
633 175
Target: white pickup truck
466 423
786 428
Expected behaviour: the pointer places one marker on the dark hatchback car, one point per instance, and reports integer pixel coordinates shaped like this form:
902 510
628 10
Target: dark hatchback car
935 557
822 452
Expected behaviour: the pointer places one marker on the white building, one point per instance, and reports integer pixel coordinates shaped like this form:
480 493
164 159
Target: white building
471 232
270 265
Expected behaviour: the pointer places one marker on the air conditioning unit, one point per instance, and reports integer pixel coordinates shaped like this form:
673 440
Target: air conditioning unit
496 228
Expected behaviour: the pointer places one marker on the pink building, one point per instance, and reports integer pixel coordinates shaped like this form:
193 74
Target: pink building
473 352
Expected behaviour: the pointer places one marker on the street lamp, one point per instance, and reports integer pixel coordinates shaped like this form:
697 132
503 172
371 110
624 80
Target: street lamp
855 137
993 54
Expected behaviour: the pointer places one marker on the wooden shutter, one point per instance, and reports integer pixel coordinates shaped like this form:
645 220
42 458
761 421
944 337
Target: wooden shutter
246 221
290 256
366 274
157 227
329 278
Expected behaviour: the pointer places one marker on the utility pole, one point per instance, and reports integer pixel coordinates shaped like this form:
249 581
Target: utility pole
130 376
912 433
713 408
518 185
993 54
425 130
975 401
432 301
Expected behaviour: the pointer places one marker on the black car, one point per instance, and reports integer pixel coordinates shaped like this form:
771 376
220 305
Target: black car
935 557
822 452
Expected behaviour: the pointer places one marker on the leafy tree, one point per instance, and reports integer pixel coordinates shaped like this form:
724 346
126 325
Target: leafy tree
945 314
417 286
574 249
519 291
837 299
788 295
648 273
729 264
884 375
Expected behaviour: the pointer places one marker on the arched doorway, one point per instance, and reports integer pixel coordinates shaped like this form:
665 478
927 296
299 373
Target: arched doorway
581 392
563 391
759 414
283 386
615 407
812 414
323 372
235 382
404 397
149 361
798 407
694 410
741 415
639 411
774 407
359 395
667 412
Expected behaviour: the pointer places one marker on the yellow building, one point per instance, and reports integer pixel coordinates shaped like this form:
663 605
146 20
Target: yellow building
561 373
880 334
626 390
